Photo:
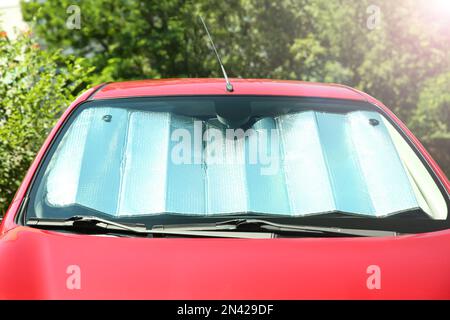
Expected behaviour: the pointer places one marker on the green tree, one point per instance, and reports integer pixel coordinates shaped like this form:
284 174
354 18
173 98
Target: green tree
130 39
35 86
431 120
148 38
408 48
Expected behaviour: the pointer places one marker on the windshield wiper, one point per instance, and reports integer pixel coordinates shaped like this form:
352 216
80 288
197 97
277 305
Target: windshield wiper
264 225
97 225
225 229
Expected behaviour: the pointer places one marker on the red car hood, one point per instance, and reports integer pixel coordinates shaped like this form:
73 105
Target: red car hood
37 264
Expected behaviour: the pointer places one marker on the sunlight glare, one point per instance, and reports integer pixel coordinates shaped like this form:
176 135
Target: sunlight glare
441 6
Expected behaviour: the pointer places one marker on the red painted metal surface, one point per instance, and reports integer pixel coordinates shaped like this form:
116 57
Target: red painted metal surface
172 87
34 263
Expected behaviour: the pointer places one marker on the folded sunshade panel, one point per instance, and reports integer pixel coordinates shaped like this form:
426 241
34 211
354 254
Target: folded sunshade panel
127 162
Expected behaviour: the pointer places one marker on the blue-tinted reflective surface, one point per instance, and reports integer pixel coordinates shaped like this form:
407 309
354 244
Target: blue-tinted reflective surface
132 162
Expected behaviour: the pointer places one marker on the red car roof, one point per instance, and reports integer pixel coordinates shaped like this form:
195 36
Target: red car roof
173 87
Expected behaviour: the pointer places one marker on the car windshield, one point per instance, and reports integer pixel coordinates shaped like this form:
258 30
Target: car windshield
220 156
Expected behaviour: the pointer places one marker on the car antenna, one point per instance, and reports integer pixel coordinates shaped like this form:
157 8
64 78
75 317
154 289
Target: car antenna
229 86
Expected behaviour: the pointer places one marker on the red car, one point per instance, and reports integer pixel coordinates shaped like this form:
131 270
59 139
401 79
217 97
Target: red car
182 189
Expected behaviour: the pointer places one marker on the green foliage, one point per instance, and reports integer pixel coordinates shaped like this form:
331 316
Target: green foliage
35 86
431 120
313 40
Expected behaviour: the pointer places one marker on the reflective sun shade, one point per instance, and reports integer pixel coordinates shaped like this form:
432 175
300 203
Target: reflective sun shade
127 162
